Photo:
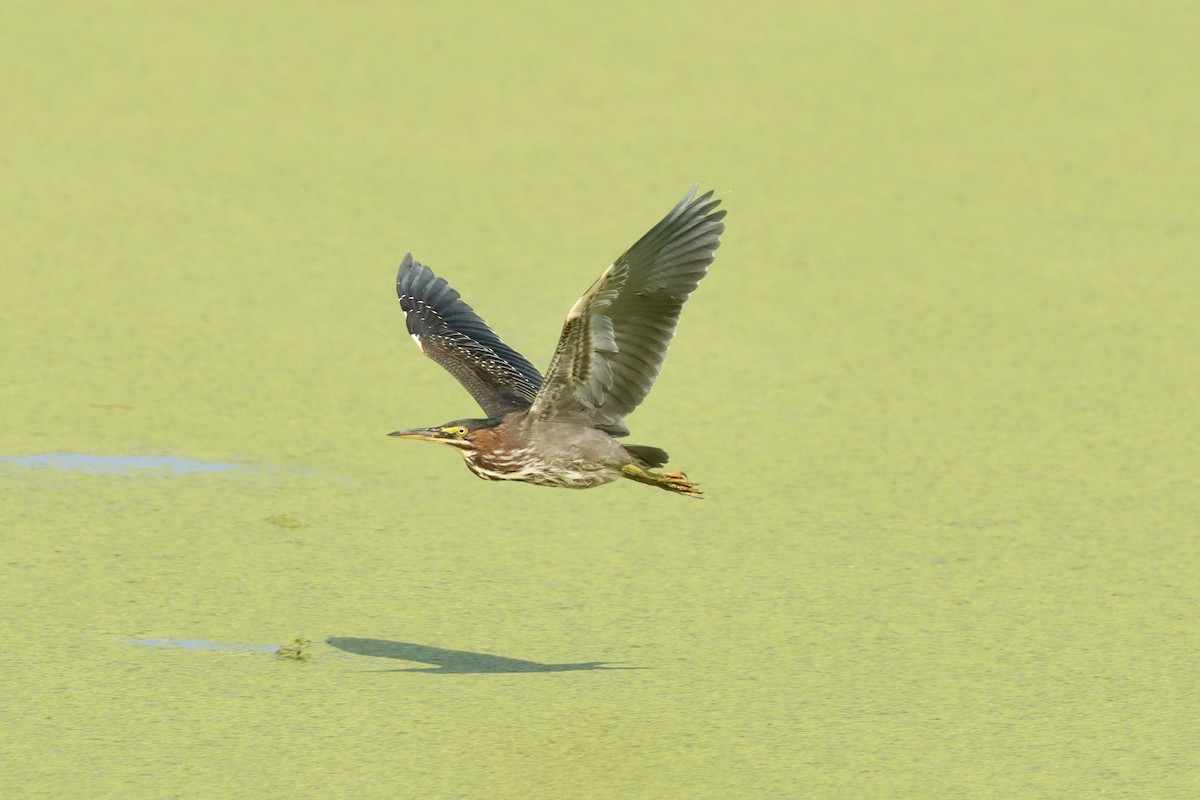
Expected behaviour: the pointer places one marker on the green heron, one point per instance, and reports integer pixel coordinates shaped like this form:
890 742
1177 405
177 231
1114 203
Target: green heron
562 430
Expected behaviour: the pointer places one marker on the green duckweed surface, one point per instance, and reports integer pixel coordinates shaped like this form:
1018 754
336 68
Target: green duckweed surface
940 385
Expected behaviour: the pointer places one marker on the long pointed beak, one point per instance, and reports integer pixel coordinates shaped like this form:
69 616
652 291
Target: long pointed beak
424 434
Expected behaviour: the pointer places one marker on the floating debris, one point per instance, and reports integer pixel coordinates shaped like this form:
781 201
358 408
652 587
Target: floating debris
297 650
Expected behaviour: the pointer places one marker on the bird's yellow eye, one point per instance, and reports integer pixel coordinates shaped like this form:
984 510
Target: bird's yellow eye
458 430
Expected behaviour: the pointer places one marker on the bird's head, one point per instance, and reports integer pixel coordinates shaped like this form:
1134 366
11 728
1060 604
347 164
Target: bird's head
461 433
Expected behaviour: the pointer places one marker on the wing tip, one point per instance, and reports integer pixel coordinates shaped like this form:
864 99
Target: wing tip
407 266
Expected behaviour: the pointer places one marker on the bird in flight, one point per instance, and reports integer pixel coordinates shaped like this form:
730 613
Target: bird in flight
563 429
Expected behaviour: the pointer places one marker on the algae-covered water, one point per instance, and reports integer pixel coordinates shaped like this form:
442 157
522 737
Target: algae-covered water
940 387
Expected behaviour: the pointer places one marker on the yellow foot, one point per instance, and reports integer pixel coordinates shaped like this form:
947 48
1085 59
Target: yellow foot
671 481
678 482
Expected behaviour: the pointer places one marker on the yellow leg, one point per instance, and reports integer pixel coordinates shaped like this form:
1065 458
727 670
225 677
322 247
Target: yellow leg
671 481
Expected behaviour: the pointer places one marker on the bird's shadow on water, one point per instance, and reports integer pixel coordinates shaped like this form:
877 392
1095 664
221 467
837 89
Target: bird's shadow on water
454 662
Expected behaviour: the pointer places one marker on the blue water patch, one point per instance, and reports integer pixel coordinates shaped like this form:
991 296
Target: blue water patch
110 465
204 644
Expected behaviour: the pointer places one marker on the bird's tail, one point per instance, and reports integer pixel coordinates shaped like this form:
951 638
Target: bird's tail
649 456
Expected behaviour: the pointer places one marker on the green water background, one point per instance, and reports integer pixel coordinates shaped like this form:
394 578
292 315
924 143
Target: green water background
940 386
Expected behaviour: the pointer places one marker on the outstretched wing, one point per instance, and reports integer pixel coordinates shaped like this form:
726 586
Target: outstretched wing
452 334
616 336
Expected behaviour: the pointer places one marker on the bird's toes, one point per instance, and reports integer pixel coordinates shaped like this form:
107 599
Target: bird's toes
678 482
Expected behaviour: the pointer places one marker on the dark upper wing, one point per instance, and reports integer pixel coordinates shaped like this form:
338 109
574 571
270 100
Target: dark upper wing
452 334
615 338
